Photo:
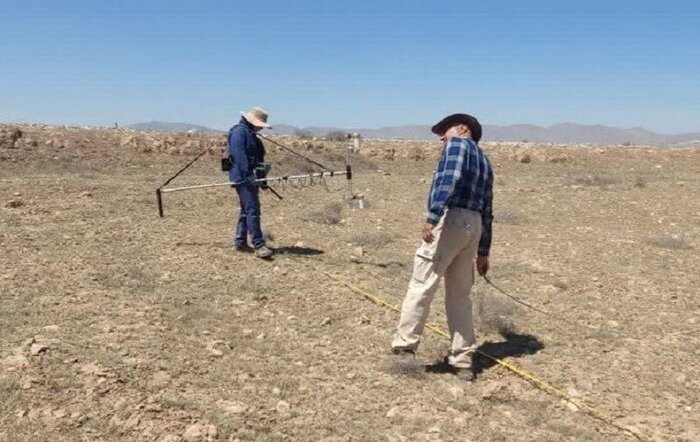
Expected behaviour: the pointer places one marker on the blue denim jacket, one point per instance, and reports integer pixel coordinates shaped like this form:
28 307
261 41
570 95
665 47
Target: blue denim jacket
245 150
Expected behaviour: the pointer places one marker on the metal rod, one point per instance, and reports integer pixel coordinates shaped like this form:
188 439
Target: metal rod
282 178
160 202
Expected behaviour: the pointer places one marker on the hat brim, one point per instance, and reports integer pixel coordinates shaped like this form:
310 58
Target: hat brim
255 121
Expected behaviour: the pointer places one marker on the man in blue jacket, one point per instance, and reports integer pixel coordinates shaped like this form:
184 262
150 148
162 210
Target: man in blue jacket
245 153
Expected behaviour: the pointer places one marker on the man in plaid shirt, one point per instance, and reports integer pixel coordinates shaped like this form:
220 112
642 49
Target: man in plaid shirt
456 238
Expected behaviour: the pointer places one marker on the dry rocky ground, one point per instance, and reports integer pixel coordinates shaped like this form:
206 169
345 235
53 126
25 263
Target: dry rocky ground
118 325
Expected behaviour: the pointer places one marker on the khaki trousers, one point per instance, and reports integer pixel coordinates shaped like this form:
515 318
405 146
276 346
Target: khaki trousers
451 254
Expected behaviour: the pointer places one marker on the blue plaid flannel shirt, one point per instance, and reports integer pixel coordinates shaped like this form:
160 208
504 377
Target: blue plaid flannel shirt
464 178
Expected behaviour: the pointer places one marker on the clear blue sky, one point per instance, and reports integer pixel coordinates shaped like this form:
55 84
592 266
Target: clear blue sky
352 63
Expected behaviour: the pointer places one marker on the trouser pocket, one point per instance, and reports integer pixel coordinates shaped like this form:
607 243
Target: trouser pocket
423 264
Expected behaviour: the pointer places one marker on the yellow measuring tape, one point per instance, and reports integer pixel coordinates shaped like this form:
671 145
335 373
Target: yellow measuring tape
543 385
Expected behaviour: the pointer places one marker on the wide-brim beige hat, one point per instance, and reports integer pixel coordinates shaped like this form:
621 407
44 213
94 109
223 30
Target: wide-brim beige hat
256 116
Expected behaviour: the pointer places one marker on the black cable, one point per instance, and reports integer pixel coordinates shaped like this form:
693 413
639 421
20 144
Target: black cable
183 169
568 321
293 152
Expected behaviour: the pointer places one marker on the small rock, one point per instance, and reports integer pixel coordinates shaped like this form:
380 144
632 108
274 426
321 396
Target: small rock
170 438
326 321
233 407
283 407
36 349
13 204
350 376
393 412
51 328
571 407
276 391
359 251
15 361
200 432
571 391
613 324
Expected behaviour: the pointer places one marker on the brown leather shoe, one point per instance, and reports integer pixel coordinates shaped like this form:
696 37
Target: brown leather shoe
465 374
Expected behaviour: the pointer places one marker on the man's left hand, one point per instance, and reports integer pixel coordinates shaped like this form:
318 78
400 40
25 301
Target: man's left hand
428 233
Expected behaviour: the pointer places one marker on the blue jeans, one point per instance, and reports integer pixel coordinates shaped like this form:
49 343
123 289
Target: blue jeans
249 218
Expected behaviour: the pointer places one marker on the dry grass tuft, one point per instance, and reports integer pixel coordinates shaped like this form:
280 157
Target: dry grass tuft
374 240
331 214
594 180
640 181
494 314
510 218
670 242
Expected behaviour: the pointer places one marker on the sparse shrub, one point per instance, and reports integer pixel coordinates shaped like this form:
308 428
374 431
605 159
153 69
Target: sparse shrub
673 242
627 143
303 134
331 214
374 240
562 285
506 218
494 314
595 180
336 135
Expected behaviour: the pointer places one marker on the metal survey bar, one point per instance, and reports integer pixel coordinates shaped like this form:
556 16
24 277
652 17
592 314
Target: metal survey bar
268 180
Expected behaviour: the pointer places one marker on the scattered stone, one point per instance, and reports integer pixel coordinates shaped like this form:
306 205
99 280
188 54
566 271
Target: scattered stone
51 328
326 321
393 412
524 158
200 432
93 368
15 361
160 379
233 407
213 350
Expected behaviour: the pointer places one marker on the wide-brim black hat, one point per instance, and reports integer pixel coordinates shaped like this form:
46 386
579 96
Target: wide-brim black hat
455 119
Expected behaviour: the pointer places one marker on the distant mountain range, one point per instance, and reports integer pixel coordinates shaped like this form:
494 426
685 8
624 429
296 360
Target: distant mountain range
161 126
558 133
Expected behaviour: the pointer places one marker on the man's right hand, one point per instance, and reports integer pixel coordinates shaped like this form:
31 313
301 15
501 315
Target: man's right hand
482 265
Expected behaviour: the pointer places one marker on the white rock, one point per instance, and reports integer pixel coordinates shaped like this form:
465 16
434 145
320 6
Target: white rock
393 412
200 432
37 348
283 407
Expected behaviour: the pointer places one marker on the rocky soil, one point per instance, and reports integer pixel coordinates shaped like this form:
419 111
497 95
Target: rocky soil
119 325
